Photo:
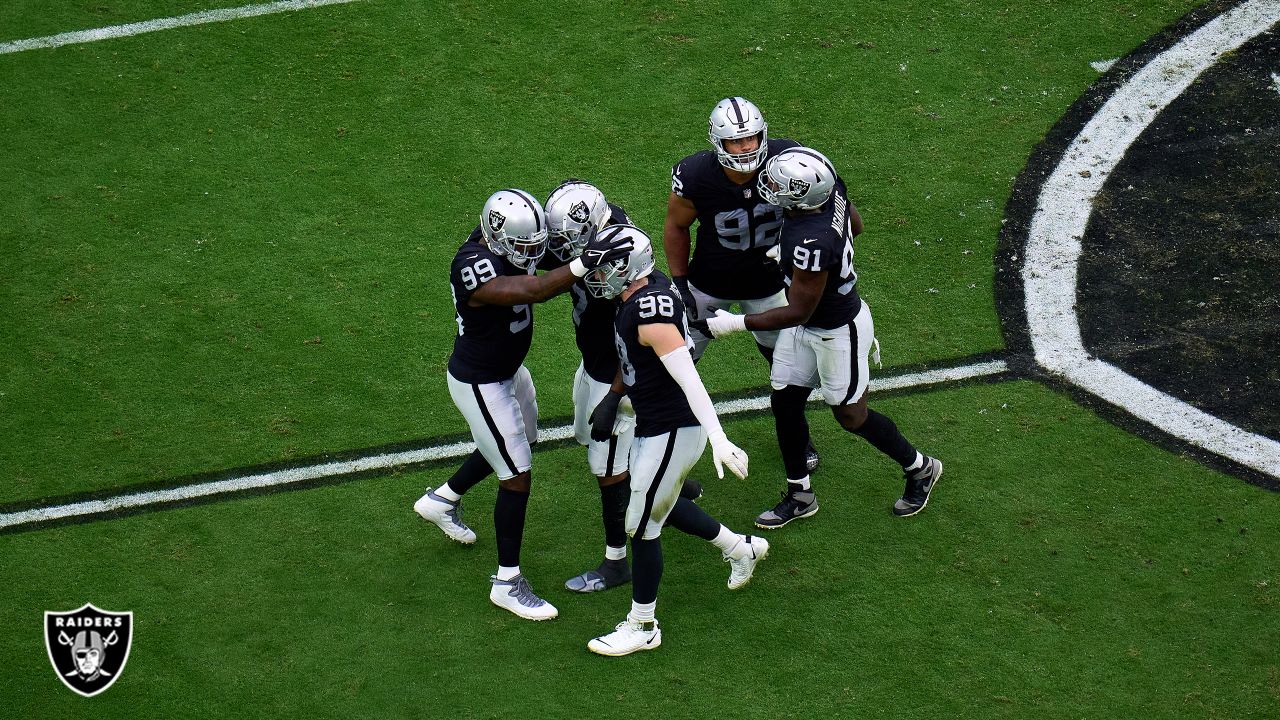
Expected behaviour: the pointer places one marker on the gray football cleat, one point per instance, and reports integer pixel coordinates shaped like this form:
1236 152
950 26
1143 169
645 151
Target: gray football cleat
920 484
611 573
811 458
795 504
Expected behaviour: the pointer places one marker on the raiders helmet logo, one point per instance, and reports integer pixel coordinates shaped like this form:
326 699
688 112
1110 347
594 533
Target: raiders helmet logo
88 647
497 219
579 212
798 187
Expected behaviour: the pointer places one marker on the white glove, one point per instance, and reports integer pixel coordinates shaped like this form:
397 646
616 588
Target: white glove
723 323
725 453
774 253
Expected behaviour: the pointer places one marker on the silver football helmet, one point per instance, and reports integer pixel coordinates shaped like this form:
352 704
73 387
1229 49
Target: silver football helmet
610 279
515 226
734 118
799 178
576 211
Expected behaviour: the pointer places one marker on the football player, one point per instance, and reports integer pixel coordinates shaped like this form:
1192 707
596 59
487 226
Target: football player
827 334
736 228
576 212
674 422
494 286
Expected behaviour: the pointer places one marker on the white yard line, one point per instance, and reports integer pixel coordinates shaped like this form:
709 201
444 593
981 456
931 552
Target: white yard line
1065 203
146 26
409 457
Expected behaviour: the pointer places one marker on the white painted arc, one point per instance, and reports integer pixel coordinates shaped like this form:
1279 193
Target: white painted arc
197 18
1053 247
410 457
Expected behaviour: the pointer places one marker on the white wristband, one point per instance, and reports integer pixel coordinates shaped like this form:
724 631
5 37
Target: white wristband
577 268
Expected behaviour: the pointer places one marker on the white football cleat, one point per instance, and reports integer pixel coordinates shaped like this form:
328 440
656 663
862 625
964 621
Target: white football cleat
446 515
517 596
629 636
742 559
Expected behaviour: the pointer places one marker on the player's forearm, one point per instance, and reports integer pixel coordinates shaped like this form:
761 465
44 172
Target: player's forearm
680 365
676 243
553 283
525 289
789 315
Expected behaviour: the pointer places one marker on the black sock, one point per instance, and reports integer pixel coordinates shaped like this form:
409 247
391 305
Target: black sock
646 569
883 434
613 510
688 518
792 428
767 352
474 469
508 524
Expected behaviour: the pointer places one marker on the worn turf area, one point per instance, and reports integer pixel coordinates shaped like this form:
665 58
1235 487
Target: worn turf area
1178 283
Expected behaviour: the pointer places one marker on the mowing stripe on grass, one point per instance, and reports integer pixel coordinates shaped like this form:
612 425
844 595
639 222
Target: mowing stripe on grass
1066 200
146 26
391 461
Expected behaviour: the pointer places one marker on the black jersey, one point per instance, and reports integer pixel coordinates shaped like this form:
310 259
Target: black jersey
659 402
735 228
823 240
492 340
593 316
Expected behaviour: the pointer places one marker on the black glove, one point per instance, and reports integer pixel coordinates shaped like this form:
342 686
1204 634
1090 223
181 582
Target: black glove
601 252
686 296
603 416
701 326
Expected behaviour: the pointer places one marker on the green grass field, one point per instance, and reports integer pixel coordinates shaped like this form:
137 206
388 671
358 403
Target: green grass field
225 246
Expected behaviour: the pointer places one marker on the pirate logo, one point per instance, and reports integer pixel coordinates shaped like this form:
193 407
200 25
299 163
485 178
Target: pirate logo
497 220
579 212
88 647
798 187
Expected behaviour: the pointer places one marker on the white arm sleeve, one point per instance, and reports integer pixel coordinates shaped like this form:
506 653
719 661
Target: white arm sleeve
680 364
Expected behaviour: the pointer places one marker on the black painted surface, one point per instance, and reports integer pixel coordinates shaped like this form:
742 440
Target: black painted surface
1180 276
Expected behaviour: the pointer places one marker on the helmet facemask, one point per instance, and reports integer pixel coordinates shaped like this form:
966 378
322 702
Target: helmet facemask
569 243
610 280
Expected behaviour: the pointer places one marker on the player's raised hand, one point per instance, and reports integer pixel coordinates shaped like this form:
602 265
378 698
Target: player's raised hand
603 249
